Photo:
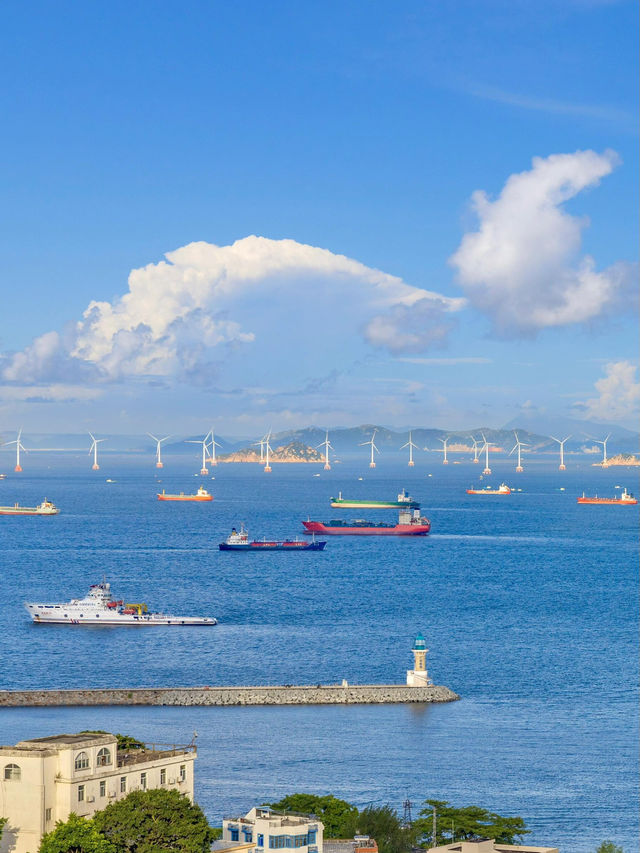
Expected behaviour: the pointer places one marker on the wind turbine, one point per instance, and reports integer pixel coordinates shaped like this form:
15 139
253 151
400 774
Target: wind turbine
268 449
19 446
94 449
476 449
204 470
485 447
410 445
562 466
261 443
214 444
326 444
444 441
517 446
158 442
372 463
604 449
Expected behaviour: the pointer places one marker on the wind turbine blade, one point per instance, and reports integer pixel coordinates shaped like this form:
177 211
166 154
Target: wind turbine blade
153 436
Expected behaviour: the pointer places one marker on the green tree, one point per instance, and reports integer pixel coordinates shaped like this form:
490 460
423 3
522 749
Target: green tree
335 814
383 824
3 821
155 821
609 847
125 742
459 824
75 835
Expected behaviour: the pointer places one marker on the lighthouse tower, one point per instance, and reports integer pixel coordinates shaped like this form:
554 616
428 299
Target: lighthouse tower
418 676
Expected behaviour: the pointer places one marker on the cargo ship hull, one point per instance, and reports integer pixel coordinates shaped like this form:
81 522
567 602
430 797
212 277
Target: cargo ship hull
338 503
163 497
291 547
368 530
610 501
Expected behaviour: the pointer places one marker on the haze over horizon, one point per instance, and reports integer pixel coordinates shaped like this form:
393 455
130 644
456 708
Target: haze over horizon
374 214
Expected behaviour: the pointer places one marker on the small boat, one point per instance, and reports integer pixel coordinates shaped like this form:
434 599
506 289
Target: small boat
238 540
503 489
45 508
626 498
403 500
201 495
99 608
410 523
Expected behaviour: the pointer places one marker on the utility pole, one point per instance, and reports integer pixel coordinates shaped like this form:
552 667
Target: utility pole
407 819
434 827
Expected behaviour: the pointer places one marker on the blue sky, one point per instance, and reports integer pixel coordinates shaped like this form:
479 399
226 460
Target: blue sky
350 139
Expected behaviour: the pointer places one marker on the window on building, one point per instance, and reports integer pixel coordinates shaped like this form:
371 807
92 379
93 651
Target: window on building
13 772
163 777
260 840
104 757
82 761
311 835
248 834
81 793
183 772
103 788
143 781
235 835
123 784
47 814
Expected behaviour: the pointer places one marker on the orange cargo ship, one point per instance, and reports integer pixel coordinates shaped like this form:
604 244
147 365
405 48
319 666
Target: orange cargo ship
201 495
626 498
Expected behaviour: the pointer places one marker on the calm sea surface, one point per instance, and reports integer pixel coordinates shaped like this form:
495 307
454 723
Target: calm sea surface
528 604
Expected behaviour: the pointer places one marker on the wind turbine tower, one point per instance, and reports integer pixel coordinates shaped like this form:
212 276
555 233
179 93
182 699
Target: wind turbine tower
214 444
94 449
19 446
517 446
410 445
562 466
485 447
204 470
604 449
444 441
268 449
476 449
326 444
371 442
158 441
261 443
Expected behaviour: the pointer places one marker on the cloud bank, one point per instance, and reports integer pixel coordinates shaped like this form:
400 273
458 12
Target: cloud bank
618 394
522 266
182 316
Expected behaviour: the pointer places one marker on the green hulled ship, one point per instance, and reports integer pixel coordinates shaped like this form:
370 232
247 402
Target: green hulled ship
404 501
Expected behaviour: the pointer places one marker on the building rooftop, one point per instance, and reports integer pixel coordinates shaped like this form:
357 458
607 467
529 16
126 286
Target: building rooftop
66 740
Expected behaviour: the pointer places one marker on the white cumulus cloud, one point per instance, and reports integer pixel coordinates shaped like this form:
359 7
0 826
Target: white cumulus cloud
184 315
618 394
523 265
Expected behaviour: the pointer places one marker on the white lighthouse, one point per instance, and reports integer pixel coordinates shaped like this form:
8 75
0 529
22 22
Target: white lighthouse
418 676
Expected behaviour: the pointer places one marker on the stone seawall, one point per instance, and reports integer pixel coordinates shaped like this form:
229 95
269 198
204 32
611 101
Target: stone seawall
358 694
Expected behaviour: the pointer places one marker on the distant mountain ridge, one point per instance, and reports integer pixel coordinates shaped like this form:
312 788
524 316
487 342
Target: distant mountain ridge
350 439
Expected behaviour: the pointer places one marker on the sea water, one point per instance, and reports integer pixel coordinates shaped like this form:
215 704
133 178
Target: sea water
527 602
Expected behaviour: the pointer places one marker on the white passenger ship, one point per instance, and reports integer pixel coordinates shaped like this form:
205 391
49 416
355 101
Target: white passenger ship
99 608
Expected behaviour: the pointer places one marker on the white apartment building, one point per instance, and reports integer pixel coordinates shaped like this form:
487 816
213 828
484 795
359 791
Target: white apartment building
268 830
45 779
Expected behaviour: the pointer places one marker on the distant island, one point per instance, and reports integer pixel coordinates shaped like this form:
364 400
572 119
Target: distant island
294 451
621 459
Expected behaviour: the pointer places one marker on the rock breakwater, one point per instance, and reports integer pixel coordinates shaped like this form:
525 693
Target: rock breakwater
357 694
